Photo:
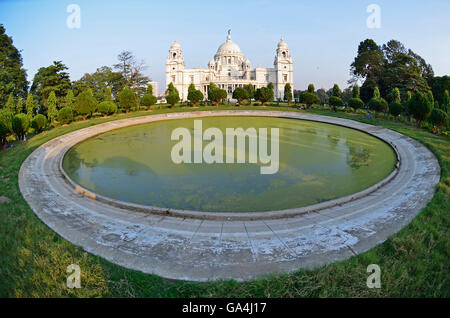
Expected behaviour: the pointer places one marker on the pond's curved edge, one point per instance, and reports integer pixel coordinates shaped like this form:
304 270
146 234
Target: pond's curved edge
228 216
166 247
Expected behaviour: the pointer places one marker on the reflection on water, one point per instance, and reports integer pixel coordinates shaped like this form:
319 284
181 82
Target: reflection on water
318 162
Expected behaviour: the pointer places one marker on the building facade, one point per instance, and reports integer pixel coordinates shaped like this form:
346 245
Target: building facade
229 69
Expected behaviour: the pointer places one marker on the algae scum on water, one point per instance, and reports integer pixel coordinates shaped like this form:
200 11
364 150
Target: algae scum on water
317 162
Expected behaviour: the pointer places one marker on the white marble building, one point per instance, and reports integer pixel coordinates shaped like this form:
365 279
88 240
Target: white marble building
229 69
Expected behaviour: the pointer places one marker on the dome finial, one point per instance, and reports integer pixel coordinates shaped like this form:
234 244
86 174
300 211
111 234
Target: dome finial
229 35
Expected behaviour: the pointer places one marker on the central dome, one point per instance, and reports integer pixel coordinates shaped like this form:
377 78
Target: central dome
229 47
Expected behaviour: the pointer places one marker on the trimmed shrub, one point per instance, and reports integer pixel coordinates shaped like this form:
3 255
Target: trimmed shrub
355 102
39 122
112 108
438 117
20 125
395 109
78 118
378 104
107 108
95 115
419 107
85 103
65 115
148 100
128 99
335 101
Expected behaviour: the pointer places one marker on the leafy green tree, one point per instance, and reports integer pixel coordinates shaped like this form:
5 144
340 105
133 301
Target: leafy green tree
336 91
250 90
388 66
172 95
311 88
52 110
30 105
6 117
20 125
395 96
53 78
4 132
39 122
65 115
355 103
445 101
216 95
420 107
440 84
309 97
85 103
172 99
99 81
149 90
335 102
322 95
107 107
19 106
194 95
128 99
69 99
439 118
10 103
107 96
13 77
133 72
288 93
264 95
355 91
148 100
395 109
377 103
240 94
271 86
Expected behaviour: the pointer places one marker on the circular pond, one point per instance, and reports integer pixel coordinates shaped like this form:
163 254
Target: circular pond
317 162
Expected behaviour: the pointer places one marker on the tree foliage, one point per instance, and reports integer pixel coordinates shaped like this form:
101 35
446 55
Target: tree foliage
39 122
85 103
419 107
438 117
388 66
132 71
240 94
65 115
30 105
172 95
128 99
52 111
215 94
250 90
20 125
13 77
53 78
194 95
288 92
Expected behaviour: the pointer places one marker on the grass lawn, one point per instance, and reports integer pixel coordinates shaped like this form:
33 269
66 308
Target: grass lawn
33 259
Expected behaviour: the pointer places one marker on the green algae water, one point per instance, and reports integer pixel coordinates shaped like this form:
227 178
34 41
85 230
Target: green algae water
317 162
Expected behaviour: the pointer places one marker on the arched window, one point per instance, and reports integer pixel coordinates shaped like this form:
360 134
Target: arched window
174 55
284 54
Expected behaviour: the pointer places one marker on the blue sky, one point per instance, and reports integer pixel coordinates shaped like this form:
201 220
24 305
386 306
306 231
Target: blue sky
323 35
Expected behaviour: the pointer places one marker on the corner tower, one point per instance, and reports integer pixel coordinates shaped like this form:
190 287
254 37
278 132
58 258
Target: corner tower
175 66
283 69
